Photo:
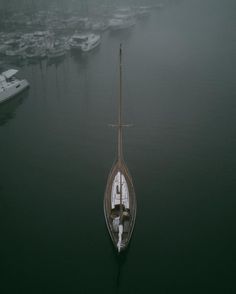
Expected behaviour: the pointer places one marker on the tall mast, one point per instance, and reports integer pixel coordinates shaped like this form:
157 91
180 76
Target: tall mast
120 143
120 147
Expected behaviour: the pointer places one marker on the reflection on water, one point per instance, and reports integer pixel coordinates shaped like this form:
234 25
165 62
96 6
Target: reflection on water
55 61
14 61
80 58
8 108
121 260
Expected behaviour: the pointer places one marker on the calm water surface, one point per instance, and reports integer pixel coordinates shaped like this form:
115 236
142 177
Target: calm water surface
56 150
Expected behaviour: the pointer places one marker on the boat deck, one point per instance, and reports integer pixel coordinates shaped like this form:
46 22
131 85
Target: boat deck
126 212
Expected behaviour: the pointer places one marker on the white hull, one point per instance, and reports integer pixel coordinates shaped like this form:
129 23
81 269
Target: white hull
13 90
91 46
85 42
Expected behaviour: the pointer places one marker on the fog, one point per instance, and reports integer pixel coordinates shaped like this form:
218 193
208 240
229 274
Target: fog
66 5
16 9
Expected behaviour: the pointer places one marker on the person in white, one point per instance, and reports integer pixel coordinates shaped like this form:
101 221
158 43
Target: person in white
120 237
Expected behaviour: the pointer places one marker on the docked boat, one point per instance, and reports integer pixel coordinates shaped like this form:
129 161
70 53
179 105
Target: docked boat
35 52
10 85
121 21
77 40
143 12
56 51
119 200
16 48
99 26
84 42
92 42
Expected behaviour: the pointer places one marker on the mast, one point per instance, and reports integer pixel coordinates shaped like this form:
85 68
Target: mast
120 139
120 143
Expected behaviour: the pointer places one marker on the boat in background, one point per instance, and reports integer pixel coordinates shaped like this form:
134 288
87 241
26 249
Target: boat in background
35 52
10 86
92 42
119 200
77 40
121 21
99 26
84 42
57 50
16 49
143 12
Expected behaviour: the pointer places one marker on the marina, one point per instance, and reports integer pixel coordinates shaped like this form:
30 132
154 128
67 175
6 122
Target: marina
59 156
28 38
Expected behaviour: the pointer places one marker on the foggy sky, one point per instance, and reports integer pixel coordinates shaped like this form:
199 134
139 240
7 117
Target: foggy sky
64 4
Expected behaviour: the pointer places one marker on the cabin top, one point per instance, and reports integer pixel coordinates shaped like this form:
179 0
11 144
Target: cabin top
9 73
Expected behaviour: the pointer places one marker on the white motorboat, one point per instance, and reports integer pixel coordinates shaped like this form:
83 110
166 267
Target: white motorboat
77 40
121 21
92 42
10 85
99 26
84 42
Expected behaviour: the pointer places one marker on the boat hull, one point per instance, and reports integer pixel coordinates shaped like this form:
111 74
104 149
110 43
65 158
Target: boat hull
12 91
116 25
128 224
93 42
91 47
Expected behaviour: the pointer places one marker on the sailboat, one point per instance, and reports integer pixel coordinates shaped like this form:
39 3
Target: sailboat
119 200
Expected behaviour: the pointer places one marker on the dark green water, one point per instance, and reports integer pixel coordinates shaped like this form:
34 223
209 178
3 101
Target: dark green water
56 152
